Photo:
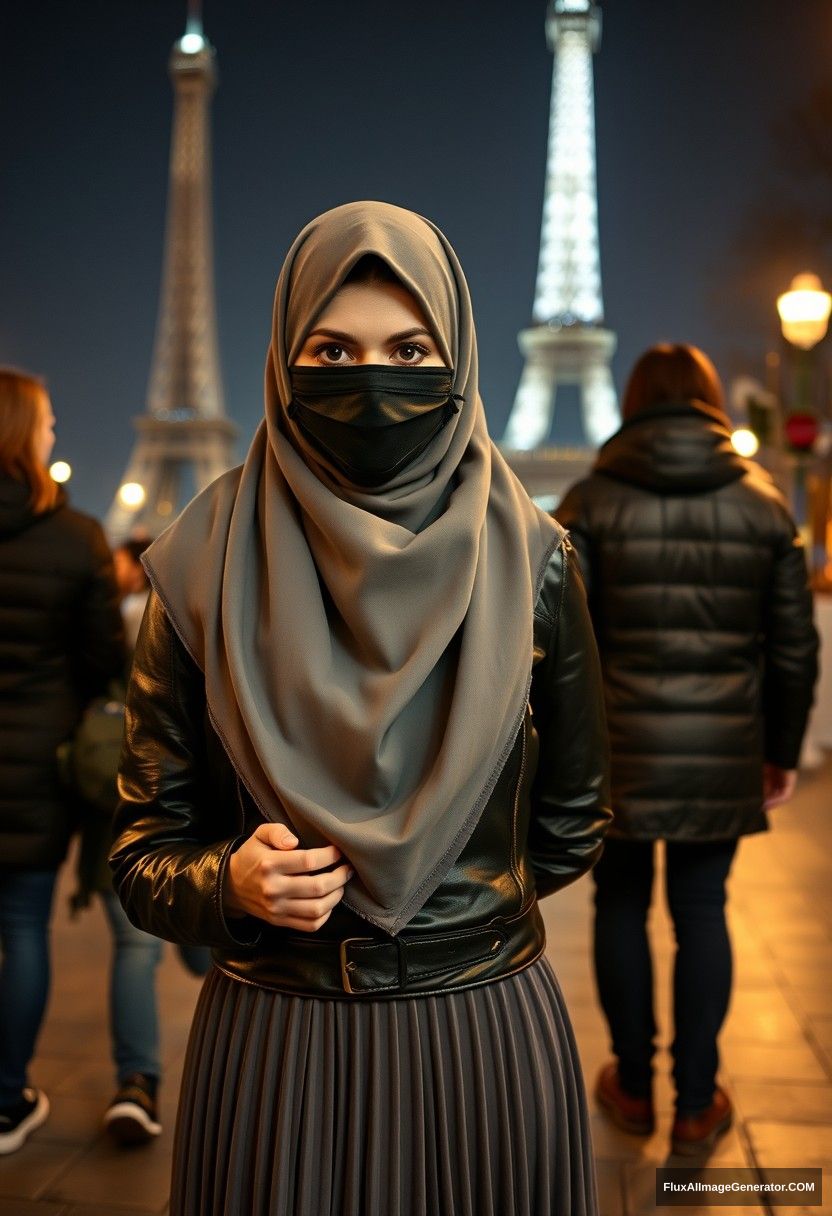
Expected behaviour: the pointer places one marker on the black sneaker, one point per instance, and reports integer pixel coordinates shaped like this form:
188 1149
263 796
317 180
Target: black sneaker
132 1117
17 1122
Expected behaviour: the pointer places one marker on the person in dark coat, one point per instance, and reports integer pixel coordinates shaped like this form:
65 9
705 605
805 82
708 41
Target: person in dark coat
699 596
60 644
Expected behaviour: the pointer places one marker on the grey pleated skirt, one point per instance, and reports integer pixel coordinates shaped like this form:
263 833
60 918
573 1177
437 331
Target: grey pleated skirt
468 1104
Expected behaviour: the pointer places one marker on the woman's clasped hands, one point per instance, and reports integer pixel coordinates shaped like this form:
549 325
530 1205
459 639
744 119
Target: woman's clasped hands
271 878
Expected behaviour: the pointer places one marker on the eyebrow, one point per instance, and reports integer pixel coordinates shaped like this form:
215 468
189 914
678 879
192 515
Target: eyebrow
394 338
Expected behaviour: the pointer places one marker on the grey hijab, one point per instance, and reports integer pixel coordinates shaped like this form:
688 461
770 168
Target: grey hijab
367 654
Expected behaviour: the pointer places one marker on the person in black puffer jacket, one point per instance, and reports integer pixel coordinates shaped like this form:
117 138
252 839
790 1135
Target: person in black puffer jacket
60 645
699 596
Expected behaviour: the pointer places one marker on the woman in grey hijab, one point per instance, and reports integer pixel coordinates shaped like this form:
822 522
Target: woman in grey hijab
364 737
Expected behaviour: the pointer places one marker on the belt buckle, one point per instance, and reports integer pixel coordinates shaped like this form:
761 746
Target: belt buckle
346 966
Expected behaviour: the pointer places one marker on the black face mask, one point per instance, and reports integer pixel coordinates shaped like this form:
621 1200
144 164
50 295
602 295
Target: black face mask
371 421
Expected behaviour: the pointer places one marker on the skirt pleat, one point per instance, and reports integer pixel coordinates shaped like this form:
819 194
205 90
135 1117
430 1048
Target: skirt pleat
466 1104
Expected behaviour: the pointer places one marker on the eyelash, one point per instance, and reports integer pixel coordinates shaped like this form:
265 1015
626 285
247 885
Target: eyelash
331 346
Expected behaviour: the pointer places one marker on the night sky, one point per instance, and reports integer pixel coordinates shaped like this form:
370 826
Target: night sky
441 107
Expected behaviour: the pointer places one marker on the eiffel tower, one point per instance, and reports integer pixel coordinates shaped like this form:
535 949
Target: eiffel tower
567 342
184 440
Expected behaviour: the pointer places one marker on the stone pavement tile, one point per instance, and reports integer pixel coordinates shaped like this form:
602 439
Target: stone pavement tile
776 999
814 1000
640 1191
577 945
777 1143
820 1034
610 1188
174 1042
73 1120
592 1059
802 974
583 1007
754 972
785 931
762 1019
754 903
51 1071
137 1179
821 1029
802 953
783 1101
771 1062
89 1078
69 1037
28 1173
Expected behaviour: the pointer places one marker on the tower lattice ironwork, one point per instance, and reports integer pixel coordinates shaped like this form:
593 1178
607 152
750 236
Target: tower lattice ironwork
184 439
567 342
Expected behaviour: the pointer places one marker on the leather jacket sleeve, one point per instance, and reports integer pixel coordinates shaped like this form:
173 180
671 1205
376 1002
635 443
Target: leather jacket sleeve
170 850
790 648
570 795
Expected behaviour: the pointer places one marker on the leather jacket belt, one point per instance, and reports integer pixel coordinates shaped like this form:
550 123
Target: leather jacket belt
391 966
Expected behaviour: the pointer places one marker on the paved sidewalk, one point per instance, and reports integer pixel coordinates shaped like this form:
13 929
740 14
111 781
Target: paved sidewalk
776 1047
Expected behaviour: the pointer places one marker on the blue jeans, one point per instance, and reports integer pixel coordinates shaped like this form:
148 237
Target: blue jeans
695 875
134 1020
25 908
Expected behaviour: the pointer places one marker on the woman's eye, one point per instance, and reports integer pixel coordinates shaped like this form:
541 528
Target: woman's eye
411 352
331 354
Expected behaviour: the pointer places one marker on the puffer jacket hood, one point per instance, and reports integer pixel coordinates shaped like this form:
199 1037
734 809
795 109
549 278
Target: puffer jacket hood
673 448
16 514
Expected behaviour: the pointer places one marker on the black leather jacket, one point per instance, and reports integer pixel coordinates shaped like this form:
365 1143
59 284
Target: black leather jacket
184 810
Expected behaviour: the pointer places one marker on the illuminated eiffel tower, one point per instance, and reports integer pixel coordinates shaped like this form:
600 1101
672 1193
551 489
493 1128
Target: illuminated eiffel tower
184 440
567 342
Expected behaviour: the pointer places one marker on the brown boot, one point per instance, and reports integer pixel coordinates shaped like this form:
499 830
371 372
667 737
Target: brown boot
635 1115
696 1135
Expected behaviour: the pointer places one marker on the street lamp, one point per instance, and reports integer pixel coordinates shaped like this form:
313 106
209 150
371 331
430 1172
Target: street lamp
60 471
745 442
804 311
132 495
804 318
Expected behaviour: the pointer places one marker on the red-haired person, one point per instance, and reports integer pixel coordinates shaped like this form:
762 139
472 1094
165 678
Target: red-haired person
699 596
60 644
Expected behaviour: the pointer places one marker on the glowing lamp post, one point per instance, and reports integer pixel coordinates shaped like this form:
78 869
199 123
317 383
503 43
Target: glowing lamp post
804 311
132 495
745 442
60 471
804 318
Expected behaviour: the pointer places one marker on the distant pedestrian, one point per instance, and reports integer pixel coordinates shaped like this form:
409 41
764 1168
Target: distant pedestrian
698 591
60 644
132 1116
133 585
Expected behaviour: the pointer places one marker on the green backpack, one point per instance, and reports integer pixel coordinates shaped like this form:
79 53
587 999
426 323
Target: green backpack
89 760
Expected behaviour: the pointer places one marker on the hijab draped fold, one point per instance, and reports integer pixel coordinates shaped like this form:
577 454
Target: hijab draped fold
367 653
